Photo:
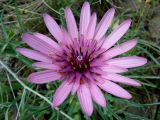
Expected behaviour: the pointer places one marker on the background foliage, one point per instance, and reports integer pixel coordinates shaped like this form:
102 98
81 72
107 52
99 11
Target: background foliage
21 100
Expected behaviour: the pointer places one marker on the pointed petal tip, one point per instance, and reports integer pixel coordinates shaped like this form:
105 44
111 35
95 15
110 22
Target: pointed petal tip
86 3
126 96
128 21
18 49
135 41
54 104
104 104
24 35
94 14
145 60
138 84
45 15
67 9
129 96
29 78
112 10
89 113
34 64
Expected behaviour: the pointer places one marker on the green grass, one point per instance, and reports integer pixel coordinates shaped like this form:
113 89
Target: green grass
22 100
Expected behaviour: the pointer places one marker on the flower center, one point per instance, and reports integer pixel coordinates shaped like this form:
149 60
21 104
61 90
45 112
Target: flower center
79 63
79 57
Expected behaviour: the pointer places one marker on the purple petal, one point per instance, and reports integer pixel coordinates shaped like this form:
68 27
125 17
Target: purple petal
104 24
85 99
113 69
42 77
47 40
127 62
35 55
53 27
46 65
61 93
38 44
97 95
114 89
66 37
121 79
119 49
71 23
116 34
76 83
84 18
91 27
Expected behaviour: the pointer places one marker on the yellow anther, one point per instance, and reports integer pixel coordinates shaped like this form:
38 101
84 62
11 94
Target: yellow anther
85 66
67 59
94 56
72 63
76 49
89 52
82 81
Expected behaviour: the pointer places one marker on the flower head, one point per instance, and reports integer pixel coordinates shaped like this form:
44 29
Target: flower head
83 59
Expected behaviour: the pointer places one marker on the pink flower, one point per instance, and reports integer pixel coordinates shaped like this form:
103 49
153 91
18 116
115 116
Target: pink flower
84 60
